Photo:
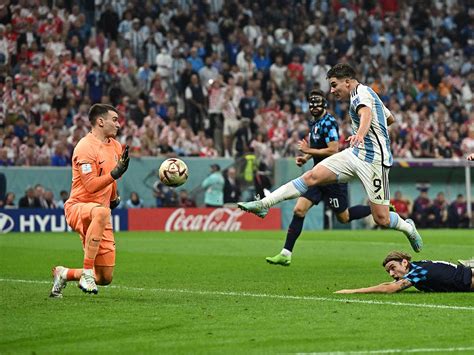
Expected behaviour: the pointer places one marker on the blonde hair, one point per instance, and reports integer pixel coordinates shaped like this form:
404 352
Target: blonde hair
396 256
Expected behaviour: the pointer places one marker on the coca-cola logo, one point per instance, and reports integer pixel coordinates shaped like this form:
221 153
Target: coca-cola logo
220 219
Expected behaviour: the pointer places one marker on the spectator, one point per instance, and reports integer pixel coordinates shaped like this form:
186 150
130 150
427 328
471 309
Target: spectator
29 200
232 189
243 137
134 201
40 195
165 196
96 83
443 148
402 205
457 213
9 202
195 96
60 156
441 206
136 41
64 195
231 116
49 201
422 213
262 182
467 144
185 200
214 185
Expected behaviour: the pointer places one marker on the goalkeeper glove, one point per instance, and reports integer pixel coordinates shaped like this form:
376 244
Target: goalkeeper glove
122 164
115 203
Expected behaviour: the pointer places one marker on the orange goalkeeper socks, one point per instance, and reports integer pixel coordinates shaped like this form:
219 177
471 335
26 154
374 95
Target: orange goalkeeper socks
73 274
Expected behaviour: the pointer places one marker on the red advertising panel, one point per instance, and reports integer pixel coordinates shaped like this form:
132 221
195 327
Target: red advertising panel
200 219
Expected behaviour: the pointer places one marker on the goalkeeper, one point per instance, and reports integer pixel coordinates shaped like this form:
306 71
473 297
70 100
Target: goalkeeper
97 162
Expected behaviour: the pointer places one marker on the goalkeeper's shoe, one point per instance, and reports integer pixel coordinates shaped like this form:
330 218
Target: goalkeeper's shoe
87 282
467 263
59 282
414 237
255 207
279 259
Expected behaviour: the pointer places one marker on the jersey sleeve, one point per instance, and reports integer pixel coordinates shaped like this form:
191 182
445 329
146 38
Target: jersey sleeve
331 131
416 274
361 98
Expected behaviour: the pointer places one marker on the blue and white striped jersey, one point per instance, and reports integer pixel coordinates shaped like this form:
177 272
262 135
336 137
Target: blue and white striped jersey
376 148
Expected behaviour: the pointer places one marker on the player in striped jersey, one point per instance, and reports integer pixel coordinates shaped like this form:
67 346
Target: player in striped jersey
424 275
323 141
368 157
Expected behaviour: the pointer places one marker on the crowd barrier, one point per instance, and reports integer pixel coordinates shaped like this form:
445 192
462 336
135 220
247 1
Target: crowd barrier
145 219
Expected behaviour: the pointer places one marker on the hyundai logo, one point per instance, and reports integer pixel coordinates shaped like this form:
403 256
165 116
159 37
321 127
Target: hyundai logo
6 223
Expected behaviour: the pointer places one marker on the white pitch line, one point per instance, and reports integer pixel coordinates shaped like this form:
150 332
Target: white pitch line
392 351
265 295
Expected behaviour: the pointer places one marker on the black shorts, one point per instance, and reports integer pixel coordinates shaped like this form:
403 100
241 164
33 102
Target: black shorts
335 195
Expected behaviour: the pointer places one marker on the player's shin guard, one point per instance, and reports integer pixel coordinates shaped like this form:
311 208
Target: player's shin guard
293 189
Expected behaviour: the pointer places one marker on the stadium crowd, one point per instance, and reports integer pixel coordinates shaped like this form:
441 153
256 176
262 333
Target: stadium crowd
224 78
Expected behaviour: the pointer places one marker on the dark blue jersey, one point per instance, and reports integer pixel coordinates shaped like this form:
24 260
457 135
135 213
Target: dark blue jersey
439 276
321 132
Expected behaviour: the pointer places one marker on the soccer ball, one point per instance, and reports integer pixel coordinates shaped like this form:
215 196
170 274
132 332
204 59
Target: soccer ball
173 172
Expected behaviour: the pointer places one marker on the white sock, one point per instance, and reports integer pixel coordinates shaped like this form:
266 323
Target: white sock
285 252
399 224
293 189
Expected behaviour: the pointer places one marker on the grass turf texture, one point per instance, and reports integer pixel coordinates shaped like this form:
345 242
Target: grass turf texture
184 293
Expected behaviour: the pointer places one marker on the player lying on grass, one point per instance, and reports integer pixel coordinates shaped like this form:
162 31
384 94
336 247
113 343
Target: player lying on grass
369 157
424 275
97 162
323 141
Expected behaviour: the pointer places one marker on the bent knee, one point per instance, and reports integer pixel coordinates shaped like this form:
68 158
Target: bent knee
382 220
102 214
104 281
343 218
299 212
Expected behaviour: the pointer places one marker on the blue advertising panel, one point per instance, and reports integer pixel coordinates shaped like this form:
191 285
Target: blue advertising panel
48 220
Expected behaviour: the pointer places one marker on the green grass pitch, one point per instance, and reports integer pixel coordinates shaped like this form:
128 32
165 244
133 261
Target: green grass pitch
214 293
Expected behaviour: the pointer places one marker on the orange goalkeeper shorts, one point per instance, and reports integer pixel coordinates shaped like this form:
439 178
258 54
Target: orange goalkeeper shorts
78 216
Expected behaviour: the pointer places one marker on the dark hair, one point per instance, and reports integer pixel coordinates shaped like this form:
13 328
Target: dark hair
396 256
341 71
316 92
99 110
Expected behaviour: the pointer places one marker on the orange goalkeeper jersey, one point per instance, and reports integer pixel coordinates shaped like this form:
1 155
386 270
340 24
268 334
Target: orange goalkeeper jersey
92 162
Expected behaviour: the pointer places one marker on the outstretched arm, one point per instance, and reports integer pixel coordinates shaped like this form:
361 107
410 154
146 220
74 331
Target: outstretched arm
386 287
